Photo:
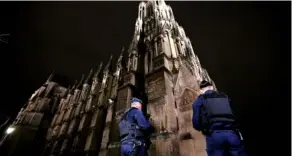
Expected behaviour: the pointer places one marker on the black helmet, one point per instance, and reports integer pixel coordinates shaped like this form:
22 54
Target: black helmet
204 84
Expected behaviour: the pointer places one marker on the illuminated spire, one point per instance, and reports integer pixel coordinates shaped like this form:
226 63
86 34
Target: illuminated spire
50 77
89 76
98 71
80 82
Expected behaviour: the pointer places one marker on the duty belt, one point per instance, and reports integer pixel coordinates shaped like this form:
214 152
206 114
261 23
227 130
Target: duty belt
138 143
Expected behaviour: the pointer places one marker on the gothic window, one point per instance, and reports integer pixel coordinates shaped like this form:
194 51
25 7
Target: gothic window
155 53
71 127
149 26
134 64
158 63
159 46
167 13
170 12
143 11
75 142
149 10
177 48
146 63
167 43
149 60
152 56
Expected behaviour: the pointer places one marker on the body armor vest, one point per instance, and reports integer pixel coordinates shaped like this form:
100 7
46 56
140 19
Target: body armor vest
128 129
216 109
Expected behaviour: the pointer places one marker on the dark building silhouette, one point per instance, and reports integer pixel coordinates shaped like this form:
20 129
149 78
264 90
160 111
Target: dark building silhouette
159 66
33 120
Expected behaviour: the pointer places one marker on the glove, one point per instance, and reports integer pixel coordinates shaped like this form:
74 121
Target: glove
152 129
148 116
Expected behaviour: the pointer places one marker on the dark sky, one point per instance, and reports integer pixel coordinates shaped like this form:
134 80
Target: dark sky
245 46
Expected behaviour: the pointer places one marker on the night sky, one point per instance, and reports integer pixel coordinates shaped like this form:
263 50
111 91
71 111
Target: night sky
245 46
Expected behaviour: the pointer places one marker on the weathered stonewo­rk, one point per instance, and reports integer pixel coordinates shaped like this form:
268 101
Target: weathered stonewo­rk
160 62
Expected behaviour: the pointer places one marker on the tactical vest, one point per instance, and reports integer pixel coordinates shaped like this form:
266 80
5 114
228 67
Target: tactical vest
129 130
216 109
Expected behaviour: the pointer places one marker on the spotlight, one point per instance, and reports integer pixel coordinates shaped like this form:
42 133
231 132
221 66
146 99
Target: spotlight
10 130
110 101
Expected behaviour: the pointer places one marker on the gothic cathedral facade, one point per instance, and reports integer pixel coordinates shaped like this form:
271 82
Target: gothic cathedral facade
160 67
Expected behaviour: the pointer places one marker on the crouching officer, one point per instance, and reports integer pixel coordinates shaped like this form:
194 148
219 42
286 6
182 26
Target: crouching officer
212 115
134 129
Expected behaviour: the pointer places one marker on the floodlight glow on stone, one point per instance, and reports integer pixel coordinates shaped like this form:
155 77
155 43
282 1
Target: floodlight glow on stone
10 130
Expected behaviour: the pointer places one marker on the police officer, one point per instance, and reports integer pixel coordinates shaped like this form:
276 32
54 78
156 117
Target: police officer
212 115
133 128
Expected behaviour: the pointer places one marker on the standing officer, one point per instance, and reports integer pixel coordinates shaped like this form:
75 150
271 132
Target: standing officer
134 129
213 116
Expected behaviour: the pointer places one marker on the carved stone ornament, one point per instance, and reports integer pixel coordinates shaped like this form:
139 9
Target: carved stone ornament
187 98
157 63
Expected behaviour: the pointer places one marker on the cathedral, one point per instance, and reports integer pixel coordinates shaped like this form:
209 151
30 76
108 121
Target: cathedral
160 67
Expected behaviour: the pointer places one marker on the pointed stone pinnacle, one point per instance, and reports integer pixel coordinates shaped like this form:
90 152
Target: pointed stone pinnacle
89 76
98 70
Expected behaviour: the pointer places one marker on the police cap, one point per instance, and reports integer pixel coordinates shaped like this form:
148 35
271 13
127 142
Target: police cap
204 84
136 100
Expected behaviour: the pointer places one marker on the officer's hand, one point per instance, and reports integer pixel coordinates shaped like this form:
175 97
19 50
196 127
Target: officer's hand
148 116
152 129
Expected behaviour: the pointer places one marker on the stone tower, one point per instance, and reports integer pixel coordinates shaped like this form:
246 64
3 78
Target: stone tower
165 72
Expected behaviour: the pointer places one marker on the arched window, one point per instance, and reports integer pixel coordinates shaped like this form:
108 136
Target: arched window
149 26
149 10
149 60
143 10
146 62
170 13
159 45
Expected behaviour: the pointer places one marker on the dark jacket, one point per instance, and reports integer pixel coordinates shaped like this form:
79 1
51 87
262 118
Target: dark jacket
136 116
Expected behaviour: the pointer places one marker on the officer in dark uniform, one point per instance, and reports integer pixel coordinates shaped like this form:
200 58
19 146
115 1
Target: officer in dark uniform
212 115
134 129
